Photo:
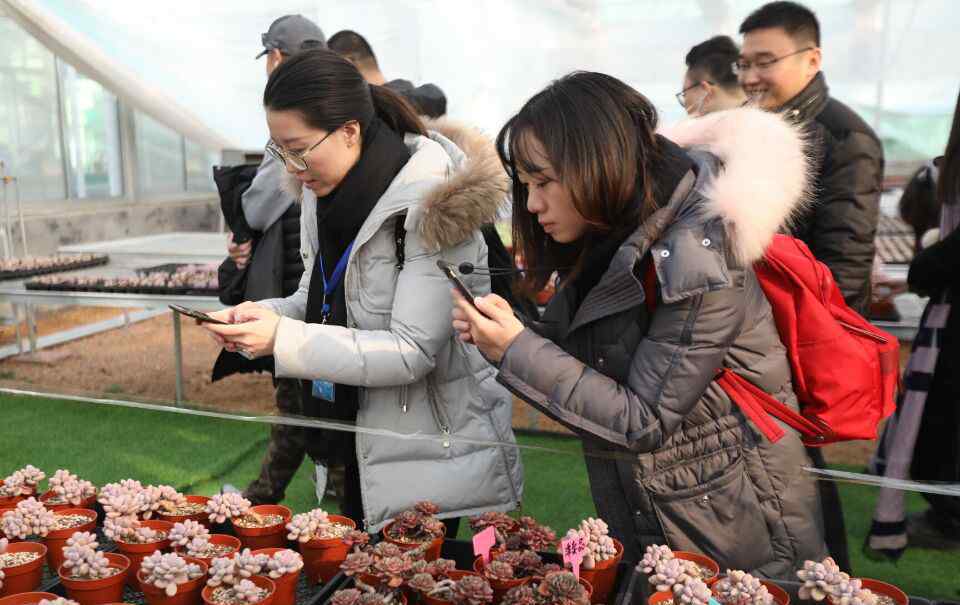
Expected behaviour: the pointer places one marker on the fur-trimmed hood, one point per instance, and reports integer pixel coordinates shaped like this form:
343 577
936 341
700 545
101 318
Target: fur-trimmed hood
763 182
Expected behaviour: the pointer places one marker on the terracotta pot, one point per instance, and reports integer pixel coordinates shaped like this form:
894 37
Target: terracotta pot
56 540
455 575
28 598
703 561
97 592
26 577
200 517
899 597
220 540
11 501
433 551
274 536
88 503
322 558
587 586
604 575
188 593
286 585
138 552
262 582
500 587
780 596
660 597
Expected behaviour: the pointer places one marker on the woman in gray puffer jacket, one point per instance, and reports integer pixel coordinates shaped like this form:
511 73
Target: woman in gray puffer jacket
610 204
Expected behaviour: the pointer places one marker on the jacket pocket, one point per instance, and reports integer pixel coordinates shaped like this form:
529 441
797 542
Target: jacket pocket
720 517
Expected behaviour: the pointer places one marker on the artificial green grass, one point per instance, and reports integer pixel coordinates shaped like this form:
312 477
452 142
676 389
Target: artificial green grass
199 455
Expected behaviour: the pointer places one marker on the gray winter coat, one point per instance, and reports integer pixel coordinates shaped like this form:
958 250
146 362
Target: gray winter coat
417 379
670 458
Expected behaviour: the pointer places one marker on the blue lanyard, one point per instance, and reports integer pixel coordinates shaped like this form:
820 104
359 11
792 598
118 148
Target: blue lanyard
330 286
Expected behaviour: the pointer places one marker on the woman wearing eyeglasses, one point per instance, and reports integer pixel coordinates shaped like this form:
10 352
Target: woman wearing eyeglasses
654 244
368 331
710 83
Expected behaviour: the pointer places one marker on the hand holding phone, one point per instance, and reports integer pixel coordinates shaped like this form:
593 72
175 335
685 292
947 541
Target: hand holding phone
200 316
450 270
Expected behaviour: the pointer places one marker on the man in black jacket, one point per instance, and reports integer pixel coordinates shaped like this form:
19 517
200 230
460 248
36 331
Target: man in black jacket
264 262
779 68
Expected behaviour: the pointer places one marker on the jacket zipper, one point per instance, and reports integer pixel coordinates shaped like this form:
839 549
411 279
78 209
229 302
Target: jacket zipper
403 399
863 332
438 414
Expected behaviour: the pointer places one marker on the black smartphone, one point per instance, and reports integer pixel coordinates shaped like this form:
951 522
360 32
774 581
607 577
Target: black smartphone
198 315
450 270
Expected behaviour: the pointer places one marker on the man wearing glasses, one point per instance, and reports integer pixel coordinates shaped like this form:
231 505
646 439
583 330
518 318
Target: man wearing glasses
779 68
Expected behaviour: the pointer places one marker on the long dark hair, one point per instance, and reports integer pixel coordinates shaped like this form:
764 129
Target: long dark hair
948 183
599 136
328 91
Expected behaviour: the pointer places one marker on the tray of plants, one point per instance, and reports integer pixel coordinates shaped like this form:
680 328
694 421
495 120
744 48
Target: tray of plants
156 546
18 268
189 280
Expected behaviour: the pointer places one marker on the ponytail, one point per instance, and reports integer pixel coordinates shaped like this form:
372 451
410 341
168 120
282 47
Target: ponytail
396 111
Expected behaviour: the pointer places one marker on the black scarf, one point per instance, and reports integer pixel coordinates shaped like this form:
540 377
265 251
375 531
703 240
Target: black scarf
340 215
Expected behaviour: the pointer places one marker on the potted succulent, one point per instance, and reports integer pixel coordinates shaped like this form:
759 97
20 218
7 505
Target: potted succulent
695 565
169 579
502 523
556 588
35 598
190 507
194 539
21 566
320 537
459 588
233 581
90 576
599 565
66 490
366 595
257 526
691 591
740 588
530 535
31 518
824 580
511 568
20 485
416 527
383 563
283 567
124 505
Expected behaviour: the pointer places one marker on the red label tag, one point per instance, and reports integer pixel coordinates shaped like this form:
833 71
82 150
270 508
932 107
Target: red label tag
483 542
573 549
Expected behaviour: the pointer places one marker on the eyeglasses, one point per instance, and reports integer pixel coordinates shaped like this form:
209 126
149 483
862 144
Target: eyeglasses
297 160
682 95
740 66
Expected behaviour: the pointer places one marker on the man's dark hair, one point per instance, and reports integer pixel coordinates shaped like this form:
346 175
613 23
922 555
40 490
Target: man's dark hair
353 47
797 20
713 60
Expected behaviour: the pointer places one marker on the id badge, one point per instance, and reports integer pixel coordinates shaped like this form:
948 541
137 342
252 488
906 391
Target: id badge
324 389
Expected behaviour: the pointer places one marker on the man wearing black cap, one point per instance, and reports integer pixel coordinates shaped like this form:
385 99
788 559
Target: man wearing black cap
265 262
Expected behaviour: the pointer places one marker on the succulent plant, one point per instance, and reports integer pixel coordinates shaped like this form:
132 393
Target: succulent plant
501 523
247 592
386 549
422 582
22 482
692 591
530 535
415 525
186 531
284 562
653 556
820 580
499 570
157 497
852 592
356 539
306 526
349 596
472 590
81 556
740 588
668 574
223 571
249 564
357 563
562 588
29 518
168 571
71 488
60 601
392 570
519 595
227 506
600 546
427 508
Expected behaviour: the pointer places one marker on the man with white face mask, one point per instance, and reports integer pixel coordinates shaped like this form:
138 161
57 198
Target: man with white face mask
710 83
779 68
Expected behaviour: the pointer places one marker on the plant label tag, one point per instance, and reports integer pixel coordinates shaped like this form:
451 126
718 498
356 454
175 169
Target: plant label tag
714 601
574 548
325 390
483 542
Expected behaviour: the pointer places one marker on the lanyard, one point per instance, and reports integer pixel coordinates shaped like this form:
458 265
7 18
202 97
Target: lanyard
330 286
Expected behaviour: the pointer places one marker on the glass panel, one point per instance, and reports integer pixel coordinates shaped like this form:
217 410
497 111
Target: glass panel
29 115
200 163
92 136
159 157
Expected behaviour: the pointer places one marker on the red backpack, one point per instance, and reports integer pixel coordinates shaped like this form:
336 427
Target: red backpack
845 370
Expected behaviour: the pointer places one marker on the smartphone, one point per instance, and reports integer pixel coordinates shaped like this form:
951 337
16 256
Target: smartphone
198 315
450 270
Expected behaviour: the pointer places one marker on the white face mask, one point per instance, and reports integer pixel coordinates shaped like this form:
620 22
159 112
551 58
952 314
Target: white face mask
698 110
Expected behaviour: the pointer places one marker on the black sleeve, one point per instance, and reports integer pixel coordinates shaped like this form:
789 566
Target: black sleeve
936 267
233 282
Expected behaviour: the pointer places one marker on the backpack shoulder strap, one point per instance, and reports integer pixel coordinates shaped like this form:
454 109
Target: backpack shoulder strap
400 238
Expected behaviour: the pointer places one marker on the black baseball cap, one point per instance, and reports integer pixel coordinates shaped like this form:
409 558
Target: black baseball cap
292 33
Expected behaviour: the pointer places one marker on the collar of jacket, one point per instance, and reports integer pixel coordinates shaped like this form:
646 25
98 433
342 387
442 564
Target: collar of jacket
809 102
750 180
